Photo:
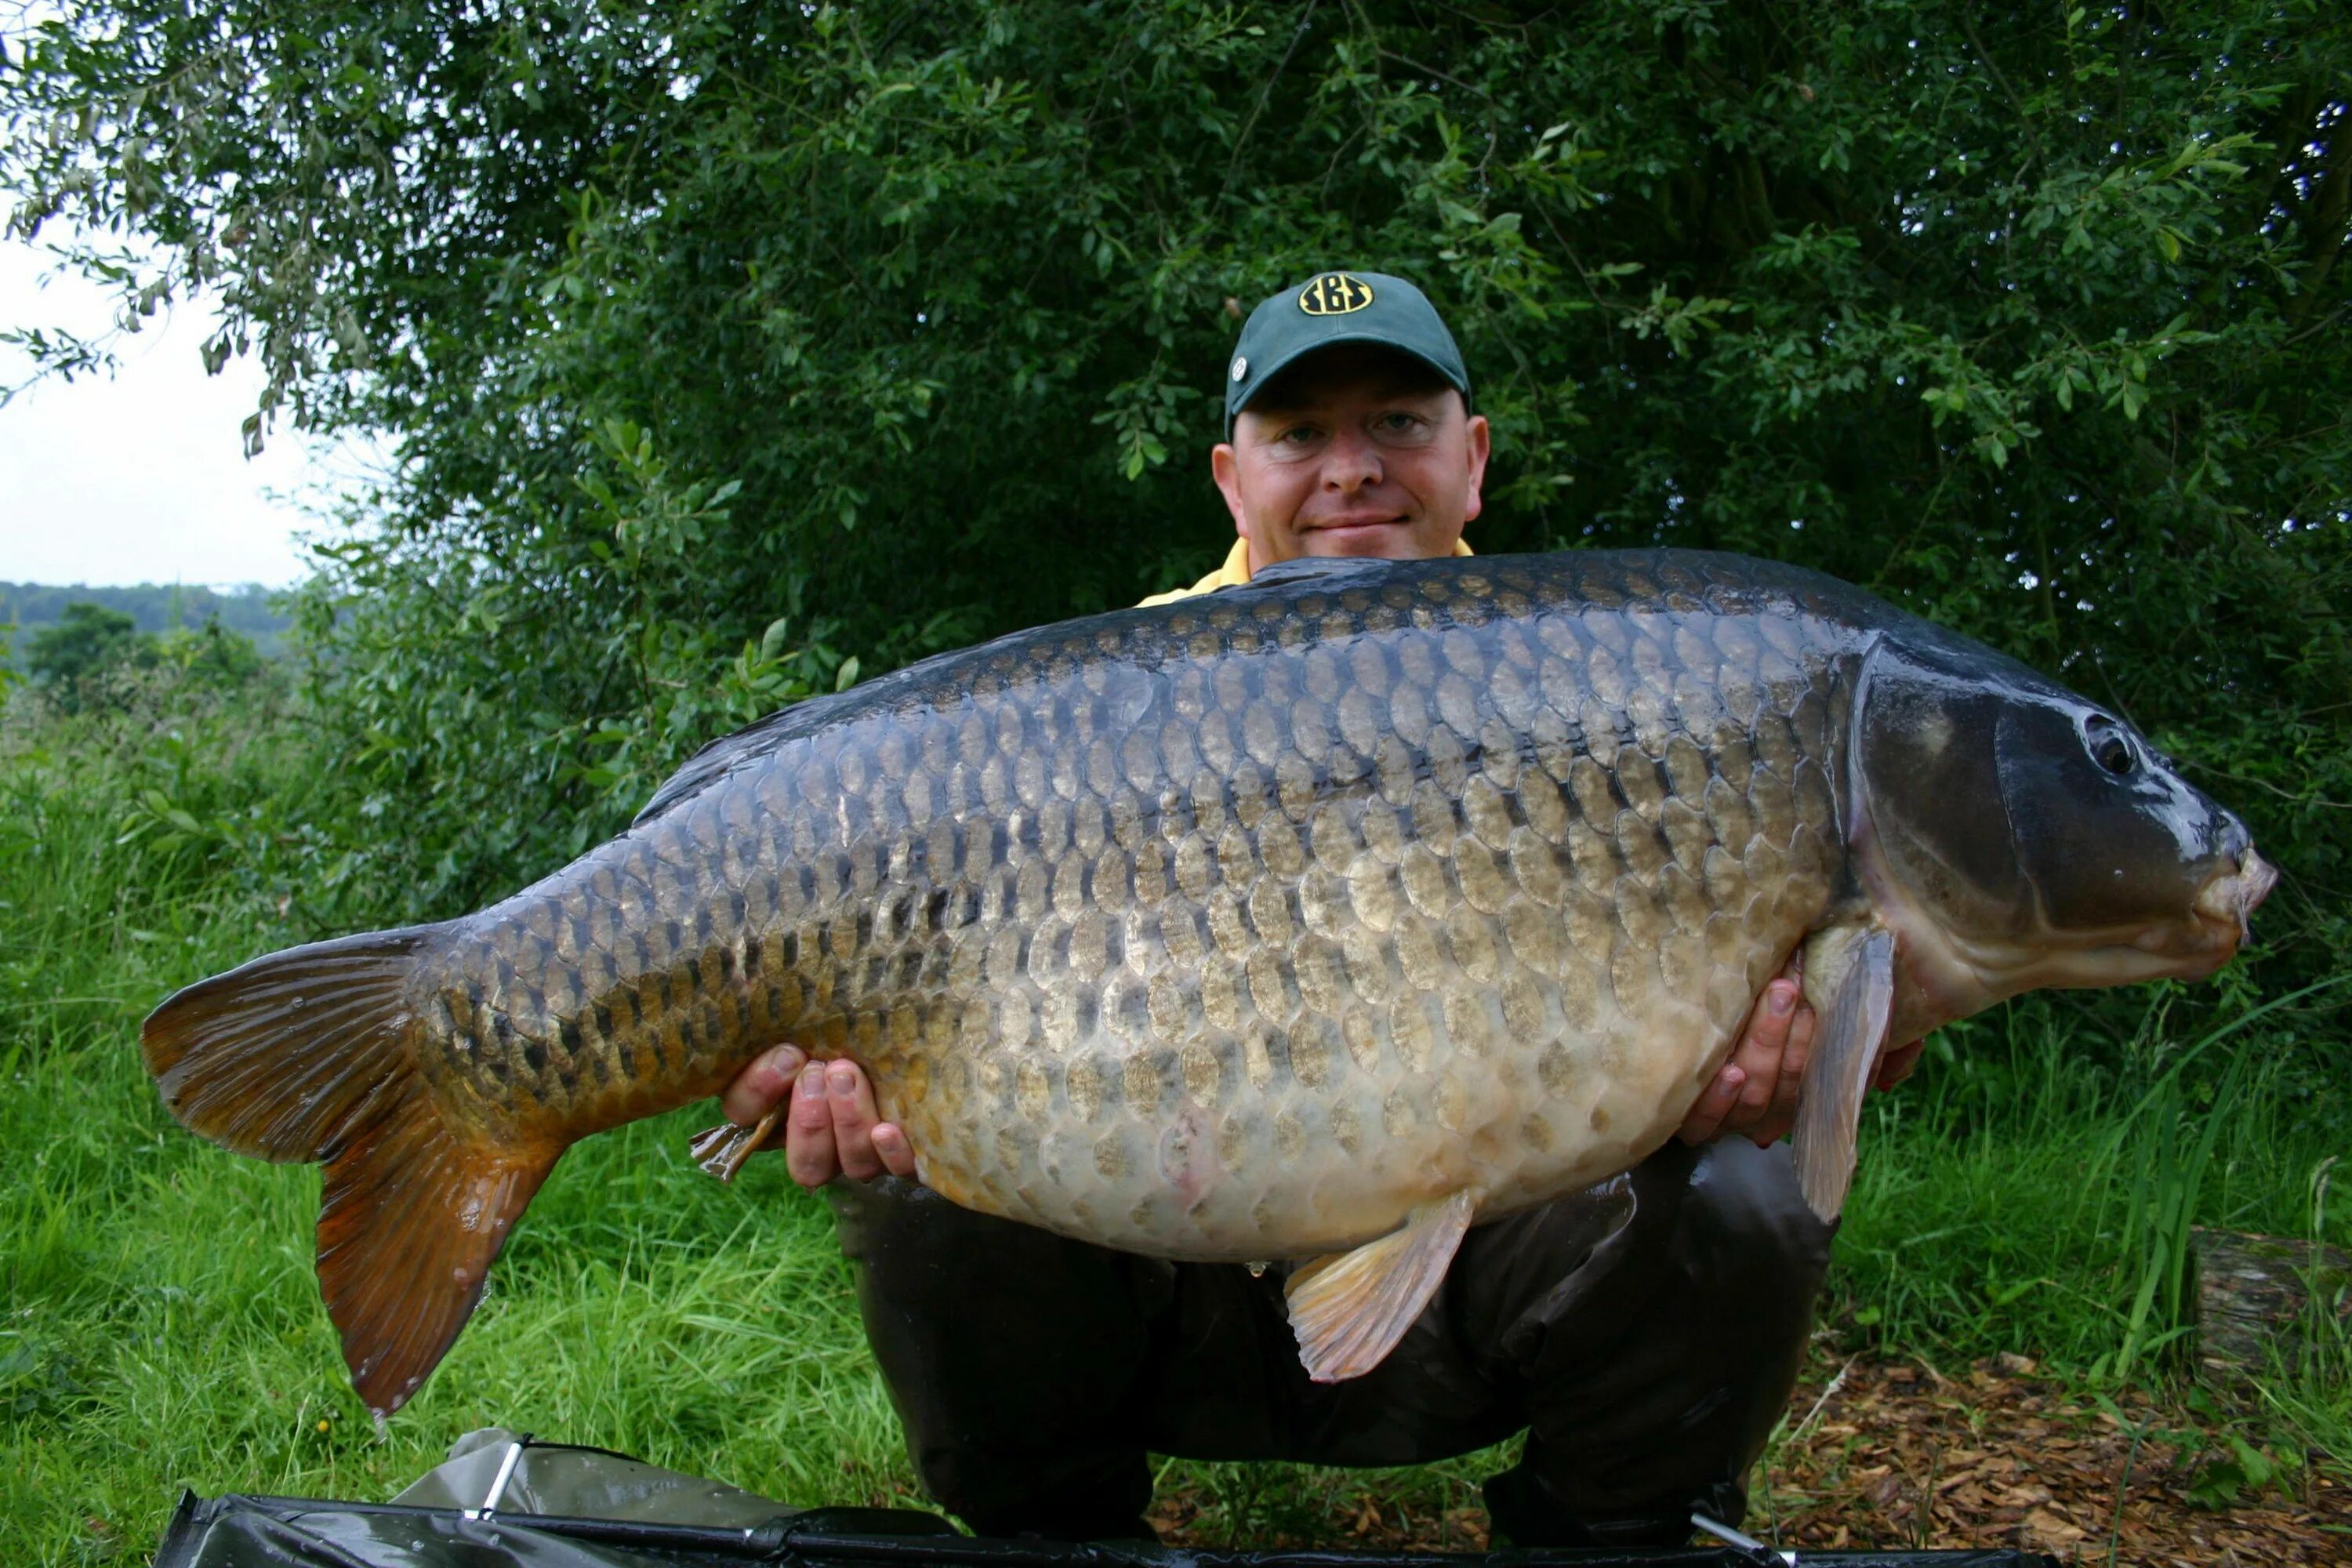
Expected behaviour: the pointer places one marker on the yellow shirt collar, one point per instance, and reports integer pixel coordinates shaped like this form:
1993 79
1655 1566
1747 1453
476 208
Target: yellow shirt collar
1233 572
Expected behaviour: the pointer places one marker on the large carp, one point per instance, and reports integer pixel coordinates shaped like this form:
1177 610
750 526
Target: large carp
1319 918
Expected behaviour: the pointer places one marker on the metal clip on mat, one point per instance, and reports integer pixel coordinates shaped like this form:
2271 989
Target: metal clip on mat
506 1473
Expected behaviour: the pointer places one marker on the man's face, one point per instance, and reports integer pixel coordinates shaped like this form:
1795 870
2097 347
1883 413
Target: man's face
1355 450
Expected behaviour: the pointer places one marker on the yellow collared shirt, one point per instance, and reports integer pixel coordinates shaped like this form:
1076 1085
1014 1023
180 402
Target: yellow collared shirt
1233 574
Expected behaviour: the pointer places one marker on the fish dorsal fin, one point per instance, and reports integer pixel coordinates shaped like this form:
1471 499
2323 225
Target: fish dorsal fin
722 756
1349 1309
1332 569
1829 1109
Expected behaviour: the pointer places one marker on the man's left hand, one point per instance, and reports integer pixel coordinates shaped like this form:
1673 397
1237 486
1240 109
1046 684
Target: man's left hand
1755 1092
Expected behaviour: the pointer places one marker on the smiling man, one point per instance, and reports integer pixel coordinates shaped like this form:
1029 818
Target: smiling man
1644 1335
1348 431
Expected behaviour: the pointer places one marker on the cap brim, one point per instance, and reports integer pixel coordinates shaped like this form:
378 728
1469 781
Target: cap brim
1258 383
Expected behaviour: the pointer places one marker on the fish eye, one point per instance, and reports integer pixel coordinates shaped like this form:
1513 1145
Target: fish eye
2108 745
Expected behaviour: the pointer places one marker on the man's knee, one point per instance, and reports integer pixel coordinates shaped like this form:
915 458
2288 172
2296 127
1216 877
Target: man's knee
1010 1354
1657 1359
1747 1227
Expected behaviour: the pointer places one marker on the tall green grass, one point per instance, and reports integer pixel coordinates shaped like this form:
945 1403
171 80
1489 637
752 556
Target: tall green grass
161 1327
2035 1191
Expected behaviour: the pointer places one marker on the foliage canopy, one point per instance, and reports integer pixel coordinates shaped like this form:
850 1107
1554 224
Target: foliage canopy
153 607
729 346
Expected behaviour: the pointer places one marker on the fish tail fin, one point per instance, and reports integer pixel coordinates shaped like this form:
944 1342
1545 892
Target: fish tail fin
410 1217
312 1055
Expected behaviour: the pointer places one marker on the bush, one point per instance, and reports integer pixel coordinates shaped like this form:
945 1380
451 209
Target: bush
724 343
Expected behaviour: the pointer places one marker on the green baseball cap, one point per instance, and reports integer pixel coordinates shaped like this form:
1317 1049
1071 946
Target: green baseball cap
1338 308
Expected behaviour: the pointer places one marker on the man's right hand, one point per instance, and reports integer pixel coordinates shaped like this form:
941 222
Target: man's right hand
833 1128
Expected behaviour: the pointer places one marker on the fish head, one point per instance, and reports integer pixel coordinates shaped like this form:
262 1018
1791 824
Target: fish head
2016 835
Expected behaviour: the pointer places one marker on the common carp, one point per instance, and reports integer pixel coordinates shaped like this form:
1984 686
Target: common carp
1317 919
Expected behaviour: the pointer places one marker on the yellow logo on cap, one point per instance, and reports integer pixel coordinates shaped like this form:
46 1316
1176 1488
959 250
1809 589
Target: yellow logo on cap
1335 294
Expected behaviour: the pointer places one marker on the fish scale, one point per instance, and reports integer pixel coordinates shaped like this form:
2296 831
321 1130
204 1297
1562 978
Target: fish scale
1315 919
1285 934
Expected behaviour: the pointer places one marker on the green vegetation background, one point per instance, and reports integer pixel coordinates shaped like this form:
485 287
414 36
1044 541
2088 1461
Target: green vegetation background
730 351
156 607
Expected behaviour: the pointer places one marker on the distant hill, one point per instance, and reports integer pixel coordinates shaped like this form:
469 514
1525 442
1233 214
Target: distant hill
156 606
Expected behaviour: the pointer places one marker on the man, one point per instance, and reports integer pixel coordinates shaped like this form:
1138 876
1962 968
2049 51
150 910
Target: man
1644 1333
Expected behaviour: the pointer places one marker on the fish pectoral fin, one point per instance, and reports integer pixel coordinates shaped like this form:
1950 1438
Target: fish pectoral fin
721 1150
1829 1105
1349 1309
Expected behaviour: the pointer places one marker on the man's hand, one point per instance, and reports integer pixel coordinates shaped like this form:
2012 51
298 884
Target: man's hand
832 1129
1755 1092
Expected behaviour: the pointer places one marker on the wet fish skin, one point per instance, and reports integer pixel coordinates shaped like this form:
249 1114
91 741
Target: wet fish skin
1247 927
1227 933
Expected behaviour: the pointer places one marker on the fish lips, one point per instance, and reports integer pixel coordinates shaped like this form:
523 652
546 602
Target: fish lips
2224 908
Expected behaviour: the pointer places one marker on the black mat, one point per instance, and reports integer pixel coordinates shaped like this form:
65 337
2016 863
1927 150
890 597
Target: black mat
238 1531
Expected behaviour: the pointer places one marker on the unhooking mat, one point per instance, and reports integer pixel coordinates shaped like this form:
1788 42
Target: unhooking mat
502 1500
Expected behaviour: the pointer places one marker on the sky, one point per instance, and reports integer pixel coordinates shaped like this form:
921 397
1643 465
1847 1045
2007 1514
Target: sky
141 477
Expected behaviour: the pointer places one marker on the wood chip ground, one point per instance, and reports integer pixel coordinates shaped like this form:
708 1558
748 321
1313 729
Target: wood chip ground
1903 1455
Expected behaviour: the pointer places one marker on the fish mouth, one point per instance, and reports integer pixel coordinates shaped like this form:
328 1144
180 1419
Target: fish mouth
2220 920
1949 974
2226 904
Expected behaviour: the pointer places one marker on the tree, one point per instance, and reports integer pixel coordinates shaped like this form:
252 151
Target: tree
722 342
211 655
87 643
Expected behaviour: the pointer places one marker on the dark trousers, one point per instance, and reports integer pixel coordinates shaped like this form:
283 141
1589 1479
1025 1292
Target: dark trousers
1644 1334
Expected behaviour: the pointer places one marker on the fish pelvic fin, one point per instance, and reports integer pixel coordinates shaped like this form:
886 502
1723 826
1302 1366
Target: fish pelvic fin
721 1150
312 1055
1829 1105
1349 1309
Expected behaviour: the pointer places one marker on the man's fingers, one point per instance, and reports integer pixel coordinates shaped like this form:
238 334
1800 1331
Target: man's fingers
762 1085
1776 1119
1803 1024
1764 1050
1781 1117
852 1099
898 1155
867 1146
1763 1046
1706 1118
808 1132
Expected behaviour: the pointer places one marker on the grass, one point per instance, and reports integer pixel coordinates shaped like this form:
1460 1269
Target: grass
161 1328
